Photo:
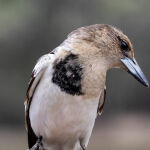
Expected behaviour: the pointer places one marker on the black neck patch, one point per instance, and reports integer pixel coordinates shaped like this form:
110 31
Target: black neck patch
67 75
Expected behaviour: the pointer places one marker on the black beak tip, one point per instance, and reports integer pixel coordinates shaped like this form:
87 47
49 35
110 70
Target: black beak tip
144 82
147 84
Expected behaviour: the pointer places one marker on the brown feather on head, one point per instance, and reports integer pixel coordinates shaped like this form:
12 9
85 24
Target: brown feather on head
101 47
100 40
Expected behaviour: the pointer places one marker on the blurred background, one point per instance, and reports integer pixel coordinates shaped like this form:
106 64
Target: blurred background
31 28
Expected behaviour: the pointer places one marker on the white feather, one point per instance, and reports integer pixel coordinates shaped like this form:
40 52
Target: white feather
59 117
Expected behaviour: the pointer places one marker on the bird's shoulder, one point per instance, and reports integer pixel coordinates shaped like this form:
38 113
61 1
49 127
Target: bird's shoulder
37 73
41 65
56 60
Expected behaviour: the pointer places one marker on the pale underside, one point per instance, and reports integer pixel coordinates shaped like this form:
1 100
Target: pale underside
64 121
61 119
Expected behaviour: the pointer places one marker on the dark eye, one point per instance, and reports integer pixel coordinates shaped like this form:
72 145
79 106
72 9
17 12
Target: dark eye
124 46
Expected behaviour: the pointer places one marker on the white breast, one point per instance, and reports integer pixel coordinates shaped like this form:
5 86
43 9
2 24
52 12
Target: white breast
59 117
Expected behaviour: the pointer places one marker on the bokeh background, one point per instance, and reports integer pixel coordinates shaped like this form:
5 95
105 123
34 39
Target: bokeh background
31 28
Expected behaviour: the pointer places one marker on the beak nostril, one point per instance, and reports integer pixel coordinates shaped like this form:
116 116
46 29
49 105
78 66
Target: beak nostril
134 61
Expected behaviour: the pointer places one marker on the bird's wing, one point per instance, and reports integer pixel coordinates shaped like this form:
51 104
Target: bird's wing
37 73
101 101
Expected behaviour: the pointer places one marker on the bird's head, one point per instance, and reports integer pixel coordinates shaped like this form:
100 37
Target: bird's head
105 47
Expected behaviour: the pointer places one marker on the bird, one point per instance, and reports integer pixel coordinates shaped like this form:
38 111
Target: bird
67 89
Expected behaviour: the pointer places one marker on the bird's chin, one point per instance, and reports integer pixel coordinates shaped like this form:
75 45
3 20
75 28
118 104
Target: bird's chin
132 67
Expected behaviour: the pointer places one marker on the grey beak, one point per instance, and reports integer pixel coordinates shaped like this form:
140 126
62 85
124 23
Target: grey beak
135 70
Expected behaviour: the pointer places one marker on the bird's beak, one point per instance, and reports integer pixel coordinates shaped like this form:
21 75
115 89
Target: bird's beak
135 70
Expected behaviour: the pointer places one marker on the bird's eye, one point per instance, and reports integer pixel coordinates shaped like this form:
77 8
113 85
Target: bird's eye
124 46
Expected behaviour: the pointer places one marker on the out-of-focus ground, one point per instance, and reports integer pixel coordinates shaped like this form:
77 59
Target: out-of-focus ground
124 132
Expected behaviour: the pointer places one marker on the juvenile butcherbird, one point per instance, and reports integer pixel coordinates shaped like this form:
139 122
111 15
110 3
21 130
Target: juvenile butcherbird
67 88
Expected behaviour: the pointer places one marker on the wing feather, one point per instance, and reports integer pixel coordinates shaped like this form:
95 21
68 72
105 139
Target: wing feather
36 76
101 101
